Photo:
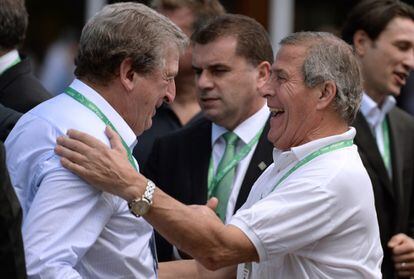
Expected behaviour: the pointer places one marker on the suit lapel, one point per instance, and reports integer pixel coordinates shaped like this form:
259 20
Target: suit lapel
367 145
200 150
261 159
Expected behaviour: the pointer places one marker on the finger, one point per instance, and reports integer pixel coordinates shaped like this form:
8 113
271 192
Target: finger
114 139
69 154
404 266
72 144
212 203
73 167
396 240
85 138
404 248
408 257
406 273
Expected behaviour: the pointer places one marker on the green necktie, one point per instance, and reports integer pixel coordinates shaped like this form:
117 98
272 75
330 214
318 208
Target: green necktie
223 187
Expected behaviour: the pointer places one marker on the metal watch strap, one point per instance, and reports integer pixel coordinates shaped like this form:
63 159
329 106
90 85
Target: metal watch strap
149 191
145 200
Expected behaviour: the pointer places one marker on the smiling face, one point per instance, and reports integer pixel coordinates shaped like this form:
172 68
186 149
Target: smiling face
387 61
151 90
227 84
293 106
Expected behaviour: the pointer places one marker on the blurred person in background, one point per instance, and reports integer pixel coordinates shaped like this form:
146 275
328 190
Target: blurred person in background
188 15
382 35
19 89
231 57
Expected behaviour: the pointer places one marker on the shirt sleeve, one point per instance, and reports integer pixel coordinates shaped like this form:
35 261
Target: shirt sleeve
64 220
288 219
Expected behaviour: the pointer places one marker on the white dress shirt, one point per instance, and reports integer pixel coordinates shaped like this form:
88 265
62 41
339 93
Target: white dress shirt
7 60
375 115
246 131
320 222
70 229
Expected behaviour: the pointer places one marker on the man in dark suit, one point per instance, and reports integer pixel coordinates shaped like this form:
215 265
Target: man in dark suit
231 59
12 263
19 89
8 119
382 33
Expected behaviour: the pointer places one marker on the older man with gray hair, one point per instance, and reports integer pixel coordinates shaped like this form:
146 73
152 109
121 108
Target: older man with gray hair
310 215
125 69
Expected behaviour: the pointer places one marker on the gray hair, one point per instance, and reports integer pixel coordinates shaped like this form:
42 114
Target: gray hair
125 30
328 58
13 24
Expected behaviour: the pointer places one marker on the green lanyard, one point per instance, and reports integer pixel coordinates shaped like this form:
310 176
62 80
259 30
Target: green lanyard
213 181
84 101
17 60
386 139
313 155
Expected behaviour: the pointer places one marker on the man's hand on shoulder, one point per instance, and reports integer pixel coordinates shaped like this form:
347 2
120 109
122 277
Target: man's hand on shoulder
108 169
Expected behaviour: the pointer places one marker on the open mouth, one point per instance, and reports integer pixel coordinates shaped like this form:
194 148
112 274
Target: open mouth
274 112
401 76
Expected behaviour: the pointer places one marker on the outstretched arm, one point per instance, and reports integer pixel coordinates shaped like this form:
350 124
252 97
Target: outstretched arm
191 269
195 230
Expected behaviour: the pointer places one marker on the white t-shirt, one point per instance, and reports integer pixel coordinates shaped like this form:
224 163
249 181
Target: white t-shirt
320 222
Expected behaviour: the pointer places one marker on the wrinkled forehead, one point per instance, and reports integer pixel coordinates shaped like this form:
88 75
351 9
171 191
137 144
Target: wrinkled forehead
290 57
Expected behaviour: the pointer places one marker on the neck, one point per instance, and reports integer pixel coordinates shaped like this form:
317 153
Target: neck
4 51
329 125
111 93
375 95
255 107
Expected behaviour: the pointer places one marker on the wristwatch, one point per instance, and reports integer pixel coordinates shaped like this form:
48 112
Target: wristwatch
140 206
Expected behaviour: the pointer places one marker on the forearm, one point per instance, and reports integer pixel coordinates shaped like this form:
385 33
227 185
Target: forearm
200 234
192 270
177 269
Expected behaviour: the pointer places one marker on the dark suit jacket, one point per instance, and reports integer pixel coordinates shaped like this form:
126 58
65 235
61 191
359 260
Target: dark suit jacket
19 89
12 264
179 165
394 198
8 119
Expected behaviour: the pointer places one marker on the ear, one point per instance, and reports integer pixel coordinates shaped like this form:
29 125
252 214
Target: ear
361 42
327 94
127 76
263 74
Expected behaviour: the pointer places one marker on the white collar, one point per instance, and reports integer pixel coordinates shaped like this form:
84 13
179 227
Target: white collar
297 153
372 112
246 130
8 59
119 123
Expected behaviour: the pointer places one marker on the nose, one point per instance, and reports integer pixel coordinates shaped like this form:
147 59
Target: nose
170 95
204 81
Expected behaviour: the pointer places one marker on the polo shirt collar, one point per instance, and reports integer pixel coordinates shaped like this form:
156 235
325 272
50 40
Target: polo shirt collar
284 158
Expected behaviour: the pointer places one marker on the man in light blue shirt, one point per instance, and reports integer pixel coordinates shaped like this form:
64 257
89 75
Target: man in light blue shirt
125 69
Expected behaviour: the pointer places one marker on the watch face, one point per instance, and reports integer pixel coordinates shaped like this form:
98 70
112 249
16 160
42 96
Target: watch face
140 207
